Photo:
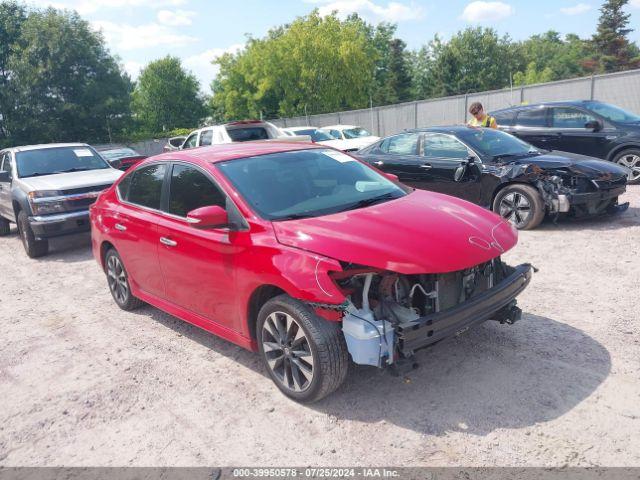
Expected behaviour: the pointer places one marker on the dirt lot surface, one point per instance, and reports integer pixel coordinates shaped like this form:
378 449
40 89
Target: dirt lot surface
84 383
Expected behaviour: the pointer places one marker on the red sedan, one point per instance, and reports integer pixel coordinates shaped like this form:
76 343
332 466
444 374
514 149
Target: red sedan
304 254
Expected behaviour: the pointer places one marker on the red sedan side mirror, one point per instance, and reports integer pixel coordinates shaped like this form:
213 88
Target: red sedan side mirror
213 216
392 177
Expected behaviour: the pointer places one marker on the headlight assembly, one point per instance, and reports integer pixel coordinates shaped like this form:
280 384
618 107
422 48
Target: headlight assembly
45 202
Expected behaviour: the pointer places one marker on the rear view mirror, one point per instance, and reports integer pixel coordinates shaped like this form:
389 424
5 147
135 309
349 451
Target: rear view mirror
593 125
213 216
459 173
392 177
4 177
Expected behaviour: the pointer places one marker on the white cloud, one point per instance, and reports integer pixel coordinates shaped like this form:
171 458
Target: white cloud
132 37
175 18
481 12
84 7
133 68
577 9
369 10
635 3
201 66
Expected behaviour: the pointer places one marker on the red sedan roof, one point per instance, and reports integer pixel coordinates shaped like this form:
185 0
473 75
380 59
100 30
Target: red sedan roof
230 151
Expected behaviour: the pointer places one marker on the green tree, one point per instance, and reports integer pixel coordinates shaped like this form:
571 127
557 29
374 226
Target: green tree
613 50
399 73
533 75
474 60
547 57
316 64
63 83
422 63
12 16
392 71
166 96
554 58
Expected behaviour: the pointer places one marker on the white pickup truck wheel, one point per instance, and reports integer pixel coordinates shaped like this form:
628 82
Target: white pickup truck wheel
34 248
5 227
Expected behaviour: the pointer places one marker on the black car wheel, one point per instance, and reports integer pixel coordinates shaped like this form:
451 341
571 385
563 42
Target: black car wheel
118 281
34 248
631 160
521 205
305 355
5 227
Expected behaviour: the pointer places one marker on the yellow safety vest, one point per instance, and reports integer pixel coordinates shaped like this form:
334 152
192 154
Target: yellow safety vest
488 122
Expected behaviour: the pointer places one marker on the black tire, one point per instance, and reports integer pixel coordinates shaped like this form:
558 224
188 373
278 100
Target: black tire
520 204
5 227
630 159
34 248
324 351
118 281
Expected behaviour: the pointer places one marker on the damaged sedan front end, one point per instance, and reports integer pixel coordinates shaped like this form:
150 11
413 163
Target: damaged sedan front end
388 316
405 285
579 187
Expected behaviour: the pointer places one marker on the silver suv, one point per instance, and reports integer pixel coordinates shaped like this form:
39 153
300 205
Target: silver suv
47 190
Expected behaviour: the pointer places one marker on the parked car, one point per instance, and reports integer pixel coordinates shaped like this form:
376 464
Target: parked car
47 189
304 254
174 143
243 131
354 137
586 127
322 137
120 157
501 172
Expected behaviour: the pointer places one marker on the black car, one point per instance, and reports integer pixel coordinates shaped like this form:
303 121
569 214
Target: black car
122 158
586 127
501 172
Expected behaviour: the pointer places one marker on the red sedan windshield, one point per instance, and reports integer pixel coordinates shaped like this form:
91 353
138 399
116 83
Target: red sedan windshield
307 183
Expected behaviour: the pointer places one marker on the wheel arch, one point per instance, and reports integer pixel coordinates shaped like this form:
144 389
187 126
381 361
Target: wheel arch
622 148
504 185
258 298
20 201
16 208
105 246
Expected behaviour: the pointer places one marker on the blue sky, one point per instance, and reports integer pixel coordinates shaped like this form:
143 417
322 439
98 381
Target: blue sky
139 31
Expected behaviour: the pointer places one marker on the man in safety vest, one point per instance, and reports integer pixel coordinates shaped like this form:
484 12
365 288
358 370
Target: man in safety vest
480 118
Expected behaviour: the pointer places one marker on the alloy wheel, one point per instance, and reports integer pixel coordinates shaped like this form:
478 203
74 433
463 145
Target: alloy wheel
287 351
632 162
516 208
117 278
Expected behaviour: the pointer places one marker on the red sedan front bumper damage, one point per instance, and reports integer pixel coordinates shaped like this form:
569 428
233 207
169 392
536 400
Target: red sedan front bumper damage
388 316
497 303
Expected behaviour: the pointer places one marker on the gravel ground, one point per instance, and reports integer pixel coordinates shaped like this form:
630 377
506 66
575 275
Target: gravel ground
86 384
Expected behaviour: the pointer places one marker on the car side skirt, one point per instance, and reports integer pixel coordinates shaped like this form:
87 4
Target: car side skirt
197 320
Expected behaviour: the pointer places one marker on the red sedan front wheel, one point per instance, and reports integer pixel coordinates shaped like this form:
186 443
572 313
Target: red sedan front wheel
306 356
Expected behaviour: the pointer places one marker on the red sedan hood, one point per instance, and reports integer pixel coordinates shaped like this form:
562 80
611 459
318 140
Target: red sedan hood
423 232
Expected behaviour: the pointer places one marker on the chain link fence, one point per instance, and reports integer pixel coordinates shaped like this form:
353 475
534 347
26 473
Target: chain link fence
622 89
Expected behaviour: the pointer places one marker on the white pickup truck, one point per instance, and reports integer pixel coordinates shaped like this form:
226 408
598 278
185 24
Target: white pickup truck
242 131
47 190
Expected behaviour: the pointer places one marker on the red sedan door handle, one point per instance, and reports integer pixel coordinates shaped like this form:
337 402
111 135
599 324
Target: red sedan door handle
168 242
120 227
